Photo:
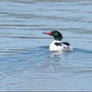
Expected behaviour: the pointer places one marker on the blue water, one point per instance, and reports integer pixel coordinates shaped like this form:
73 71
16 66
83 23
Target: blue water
26 64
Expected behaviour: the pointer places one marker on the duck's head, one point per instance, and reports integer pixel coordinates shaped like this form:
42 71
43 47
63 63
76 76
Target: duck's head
57 35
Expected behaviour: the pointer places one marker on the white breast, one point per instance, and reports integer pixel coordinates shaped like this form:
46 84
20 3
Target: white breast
61 47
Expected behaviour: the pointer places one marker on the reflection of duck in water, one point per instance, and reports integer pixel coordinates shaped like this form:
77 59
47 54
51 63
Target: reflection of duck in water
57 45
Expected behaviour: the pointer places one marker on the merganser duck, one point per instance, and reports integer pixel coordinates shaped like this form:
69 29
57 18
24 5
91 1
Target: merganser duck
57 45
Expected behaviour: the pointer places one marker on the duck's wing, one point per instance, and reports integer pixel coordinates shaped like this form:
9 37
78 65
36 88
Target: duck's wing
61 43
58 43
67 46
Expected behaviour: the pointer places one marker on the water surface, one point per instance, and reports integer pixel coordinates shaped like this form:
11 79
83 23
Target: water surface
25 60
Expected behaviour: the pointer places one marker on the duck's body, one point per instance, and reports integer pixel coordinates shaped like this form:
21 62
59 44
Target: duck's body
60 46
57 45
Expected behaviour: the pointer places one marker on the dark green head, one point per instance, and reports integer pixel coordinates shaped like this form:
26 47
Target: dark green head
57 35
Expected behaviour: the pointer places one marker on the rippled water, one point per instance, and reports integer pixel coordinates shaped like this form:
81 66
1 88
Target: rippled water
25 60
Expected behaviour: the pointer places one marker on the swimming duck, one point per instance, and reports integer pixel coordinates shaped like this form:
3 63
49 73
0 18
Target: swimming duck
57 45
